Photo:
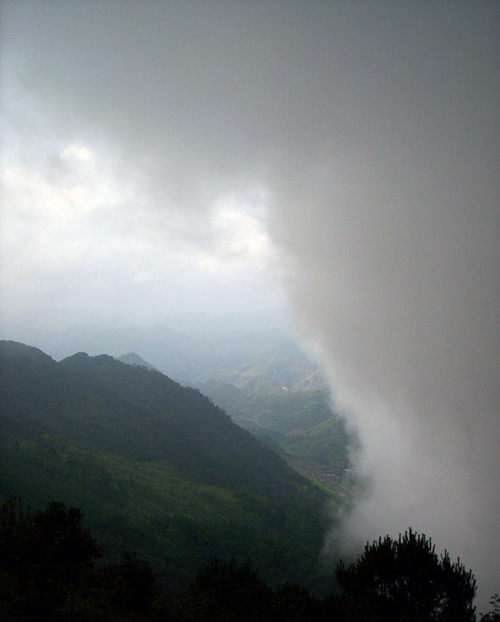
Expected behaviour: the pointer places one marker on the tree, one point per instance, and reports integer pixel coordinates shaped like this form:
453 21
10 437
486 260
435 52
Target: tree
405 580
44 558
494 614
130 586
294 603
229 592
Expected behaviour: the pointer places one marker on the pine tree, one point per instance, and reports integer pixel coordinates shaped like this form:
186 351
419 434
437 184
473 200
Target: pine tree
406 581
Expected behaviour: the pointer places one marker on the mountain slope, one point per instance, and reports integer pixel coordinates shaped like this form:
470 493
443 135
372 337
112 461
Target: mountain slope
211 442
160 468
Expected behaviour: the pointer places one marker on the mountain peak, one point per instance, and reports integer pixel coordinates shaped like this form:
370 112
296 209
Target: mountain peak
131 358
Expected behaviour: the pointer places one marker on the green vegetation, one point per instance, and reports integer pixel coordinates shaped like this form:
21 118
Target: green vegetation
49 570
262 379
228 529
494 614
406 580
302 423
281 397
159 468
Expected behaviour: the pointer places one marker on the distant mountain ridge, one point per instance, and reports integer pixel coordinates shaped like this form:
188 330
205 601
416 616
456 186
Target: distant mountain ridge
239 349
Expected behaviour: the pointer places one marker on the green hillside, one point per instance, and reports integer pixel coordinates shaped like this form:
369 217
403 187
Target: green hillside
281 396
301 422
158 467
261 378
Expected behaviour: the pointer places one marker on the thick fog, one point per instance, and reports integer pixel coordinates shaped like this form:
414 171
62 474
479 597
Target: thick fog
339 157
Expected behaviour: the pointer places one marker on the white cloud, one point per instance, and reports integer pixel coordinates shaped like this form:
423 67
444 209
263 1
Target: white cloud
80 227
76 152
239 227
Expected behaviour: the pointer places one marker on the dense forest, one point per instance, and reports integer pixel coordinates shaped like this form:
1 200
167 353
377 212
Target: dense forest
49 571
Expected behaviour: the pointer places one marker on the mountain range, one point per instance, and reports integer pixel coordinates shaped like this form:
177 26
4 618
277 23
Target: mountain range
250 365
158 467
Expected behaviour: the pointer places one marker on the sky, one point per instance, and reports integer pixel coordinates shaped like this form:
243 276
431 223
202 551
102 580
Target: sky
339 159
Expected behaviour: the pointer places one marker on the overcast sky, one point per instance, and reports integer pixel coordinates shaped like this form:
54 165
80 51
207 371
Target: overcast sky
341 158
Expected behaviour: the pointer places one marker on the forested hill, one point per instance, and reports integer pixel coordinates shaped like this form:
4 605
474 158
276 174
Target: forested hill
186 427
159 465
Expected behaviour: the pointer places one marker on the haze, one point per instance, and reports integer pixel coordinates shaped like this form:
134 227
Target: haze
337 158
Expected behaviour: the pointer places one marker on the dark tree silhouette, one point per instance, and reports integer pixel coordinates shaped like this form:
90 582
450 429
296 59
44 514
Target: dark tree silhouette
130 585
494 614
405 580
294 603
230 592
43 558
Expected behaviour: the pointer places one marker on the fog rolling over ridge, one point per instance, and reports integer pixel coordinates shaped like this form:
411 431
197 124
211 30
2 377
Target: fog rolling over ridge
343 158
